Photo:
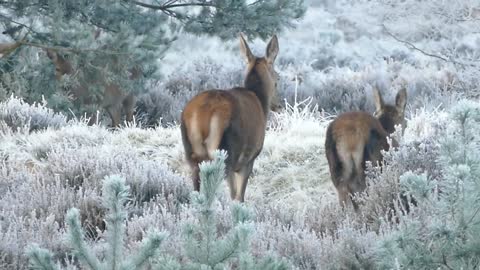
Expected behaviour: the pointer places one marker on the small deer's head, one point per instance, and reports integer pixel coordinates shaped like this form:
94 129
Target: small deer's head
62 66
391 115
262 67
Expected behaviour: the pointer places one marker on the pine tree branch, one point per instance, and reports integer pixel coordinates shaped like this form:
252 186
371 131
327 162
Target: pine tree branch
75 234
147 250
74 50
40 258
167 7
17 23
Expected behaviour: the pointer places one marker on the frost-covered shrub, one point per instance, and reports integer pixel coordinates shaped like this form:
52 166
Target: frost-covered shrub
342 89
297 215
45 173
115 195
17 115
384 194
441 231
204 245
163 103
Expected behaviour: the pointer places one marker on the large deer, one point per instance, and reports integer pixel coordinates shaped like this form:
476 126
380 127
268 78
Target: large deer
114 100
356 137
233 120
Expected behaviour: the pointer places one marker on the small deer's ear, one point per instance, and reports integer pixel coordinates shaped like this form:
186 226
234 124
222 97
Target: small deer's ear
247 53
401 100
272 49
378 99
52 55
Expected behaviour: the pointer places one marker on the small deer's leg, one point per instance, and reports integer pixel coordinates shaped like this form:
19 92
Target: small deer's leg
115 115
357 186
355 205
129 107
195 176
93 119
343 195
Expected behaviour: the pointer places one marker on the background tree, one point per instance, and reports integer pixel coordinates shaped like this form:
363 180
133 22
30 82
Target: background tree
105 39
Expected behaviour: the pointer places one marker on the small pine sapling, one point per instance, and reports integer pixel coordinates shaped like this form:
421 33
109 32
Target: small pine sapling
115 195
441 233
203 246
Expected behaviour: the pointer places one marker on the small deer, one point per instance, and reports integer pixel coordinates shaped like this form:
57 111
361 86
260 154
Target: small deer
356 137
233 120
114 99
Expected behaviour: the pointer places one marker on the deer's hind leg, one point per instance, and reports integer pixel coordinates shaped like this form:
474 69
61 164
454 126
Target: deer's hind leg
343 194
241 179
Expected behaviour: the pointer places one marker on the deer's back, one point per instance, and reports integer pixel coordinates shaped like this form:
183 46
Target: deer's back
112 95
354 128
249 121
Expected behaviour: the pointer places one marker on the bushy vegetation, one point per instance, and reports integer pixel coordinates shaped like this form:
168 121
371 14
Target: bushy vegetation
419 211
17 115
115 196
424 191
349 47
203 248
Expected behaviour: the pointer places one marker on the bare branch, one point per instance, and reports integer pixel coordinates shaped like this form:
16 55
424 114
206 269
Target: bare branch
413 47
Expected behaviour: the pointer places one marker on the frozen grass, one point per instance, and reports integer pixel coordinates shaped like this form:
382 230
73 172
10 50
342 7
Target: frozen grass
46 172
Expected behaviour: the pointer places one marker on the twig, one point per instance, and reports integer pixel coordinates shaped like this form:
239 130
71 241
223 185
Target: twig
18 23
412 46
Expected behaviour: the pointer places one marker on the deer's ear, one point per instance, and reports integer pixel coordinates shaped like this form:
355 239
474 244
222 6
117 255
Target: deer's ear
272 49
247 53
378 99
52 55
401 100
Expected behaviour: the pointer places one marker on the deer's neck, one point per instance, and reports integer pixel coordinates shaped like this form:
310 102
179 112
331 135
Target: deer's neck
262 86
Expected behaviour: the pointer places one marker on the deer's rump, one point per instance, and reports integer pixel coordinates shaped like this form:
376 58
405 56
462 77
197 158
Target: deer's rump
352 139
231 120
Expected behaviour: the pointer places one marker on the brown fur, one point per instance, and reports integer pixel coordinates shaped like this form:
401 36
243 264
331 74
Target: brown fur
114 99
233 120
356 137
